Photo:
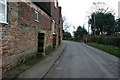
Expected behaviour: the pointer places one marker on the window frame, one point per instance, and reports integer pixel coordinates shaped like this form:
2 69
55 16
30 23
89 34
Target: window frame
37 20
5 14
55 3
53 26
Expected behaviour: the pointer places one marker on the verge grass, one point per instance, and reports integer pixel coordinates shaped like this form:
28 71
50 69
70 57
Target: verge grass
110 49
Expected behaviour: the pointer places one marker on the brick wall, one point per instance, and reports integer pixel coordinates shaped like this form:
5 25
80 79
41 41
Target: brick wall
27 15
19 38
0 51
54 12
55 16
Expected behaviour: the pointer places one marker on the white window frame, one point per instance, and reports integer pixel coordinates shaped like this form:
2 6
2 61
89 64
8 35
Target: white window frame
55 3
53 26
5 3
37 20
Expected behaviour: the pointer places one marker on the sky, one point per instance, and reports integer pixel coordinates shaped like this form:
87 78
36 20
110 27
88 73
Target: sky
76 11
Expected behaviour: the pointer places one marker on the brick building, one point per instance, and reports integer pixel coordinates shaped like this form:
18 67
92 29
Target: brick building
26 29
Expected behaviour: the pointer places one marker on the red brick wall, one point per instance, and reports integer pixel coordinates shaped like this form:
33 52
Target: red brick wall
55 16
54 12
20 35
1 51
27 16
85 36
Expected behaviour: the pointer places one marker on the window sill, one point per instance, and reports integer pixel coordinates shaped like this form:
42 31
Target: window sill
55 7
3 23
54 33
36 21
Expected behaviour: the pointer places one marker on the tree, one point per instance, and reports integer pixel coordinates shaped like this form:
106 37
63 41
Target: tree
65 29
78 34
66 25
67 36
102 19
102 23
100 7
117 28
109 23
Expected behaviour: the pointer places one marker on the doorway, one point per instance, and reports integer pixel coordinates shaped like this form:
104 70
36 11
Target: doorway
41 42
59 40
54 41
59 37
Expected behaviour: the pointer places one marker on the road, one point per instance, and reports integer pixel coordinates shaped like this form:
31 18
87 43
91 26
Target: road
82 61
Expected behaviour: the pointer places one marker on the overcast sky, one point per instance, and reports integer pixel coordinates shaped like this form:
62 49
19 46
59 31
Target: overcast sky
76 11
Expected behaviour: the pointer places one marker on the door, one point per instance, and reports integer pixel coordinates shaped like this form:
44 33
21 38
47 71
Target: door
59 37
54 40
59 40
40 42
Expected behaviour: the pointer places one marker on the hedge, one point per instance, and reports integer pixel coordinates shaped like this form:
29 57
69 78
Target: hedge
113 41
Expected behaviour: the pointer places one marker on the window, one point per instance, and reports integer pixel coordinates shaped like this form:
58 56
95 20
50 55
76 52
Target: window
55 3
3 11
53 27
36 16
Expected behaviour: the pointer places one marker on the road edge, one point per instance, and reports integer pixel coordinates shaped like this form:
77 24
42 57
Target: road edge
51 60
64 46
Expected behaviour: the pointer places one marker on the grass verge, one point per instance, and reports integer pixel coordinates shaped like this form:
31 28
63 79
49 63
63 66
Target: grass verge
110 49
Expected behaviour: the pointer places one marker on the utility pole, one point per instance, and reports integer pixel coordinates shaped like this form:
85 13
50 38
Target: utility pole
88 28
88 24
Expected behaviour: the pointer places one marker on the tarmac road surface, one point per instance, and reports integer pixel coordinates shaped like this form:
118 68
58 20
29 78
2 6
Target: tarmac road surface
82 61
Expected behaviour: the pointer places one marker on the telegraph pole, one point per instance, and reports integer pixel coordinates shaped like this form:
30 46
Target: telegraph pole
88 24
88 28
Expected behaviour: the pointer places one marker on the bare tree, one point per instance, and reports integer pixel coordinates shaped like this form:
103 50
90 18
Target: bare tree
66 25
97 8
100 7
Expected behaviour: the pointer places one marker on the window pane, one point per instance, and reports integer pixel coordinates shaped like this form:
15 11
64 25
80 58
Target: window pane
36 16
53 27
2 12
55 3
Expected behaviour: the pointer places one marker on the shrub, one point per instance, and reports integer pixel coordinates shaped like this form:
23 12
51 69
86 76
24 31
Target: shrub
113 41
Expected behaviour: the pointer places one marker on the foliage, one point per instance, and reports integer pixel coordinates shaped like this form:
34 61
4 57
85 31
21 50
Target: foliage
67 36
113 41
109 49
66 25
102 19
102 23
65 29
100 7
78 34
117 29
